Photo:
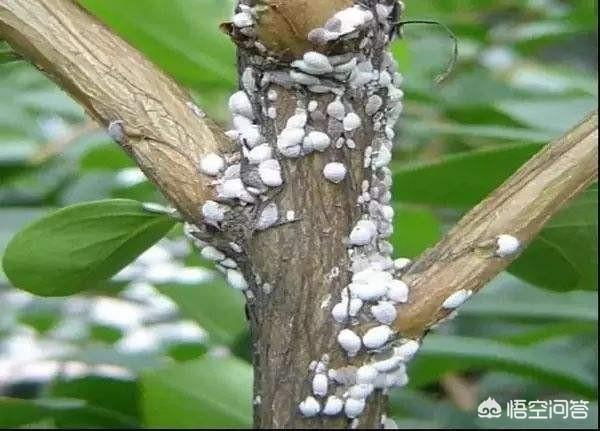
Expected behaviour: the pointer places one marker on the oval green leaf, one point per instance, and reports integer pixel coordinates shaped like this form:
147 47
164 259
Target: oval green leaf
207 393
77 247
459 180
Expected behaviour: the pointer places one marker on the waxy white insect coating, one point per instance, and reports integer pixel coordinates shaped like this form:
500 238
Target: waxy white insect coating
259 154
334 172
303 78
239 104
242 19
115 131
349 341
268 217
213 212
351 122
507 245
314 63
270 173
387 365
316 141
297 121
319 385
228 263
340 312
407 350
310 407
352 18
366 374
384 312
333 406
353 407
367 291
363 233
457 299
401 263
360 391
397 291
234 189
236 279
336 110
377 337
212 254
211 164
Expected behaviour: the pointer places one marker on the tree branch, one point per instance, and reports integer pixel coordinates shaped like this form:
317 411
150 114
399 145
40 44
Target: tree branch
466 258
161 128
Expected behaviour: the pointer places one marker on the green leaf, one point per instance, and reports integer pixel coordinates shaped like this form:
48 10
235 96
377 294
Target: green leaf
443 353
183 38
105 157
414 230
508 297
217 308
459 180
210 392
557 115
119 395
564 255
64 413
77 247
479 131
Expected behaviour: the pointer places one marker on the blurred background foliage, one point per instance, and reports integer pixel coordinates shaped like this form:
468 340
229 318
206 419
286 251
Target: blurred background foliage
165 342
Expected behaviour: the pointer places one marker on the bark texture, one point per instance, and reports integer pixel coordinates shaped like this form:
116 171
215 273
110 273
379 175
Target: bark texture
305 262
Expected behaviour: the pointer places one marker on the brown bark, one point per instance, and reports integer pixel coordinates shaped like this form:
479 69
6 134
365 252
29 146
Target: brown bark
291 325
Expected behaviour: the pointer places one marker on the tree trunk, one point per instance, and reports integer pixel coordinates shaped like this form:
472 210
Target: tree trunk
295 272
305 263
